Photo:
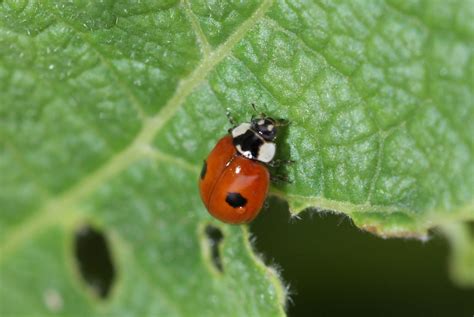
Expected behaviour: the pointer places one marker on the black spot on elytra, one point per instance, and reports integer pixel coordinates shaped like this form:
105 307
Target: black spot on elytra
214 238
94 260
236 200
204 170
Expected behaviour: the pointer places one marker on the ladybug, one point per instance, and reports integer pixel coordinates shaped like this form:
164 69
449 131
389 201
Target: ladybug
234 179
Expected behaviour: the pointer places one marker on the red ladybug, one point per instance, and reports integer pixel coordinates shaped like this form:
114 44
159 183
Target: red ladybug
235 179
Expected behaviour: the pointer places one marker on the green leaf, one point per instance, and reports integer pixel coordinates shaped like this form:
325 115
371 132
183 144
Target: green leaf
108 109
462 249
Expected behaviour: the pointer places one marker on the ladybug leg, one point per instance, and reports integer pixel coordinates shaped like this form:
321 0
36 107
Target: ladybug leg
282 122
280 179
230 118
278 163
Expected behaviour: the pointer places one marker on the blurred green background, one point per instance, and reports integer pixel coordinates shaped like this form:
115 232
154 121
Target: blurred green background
335 269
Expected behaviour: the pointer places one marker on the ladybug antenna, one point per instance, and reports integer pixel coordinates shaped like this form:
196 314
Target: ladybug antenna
261 114
229 117
254 107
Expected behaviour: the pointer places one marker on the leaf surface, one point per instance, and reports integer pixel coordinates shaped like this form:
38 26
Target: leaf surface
108 110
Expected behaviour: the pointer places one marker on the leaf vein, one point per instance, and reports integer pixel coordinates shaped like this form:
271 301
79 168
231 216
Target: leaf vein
378 166
49 211
136 104
201 37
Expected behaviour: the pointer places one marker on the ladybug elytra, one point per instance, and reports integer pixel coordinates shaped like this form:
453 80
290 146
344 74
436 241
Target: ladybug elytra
234 179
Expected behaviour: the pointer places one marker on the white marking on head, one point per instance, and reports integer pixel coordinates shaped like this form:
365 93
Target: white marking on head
266 152
270 127
240 129
261 122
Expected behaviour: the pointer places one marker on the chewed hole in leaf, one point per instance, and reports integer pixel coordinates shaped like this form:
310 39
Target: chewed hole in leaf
94 260
214 238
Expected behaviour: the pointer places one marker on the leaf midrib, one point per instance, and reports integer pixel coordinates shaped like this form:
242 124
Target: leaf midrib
141 146
50 211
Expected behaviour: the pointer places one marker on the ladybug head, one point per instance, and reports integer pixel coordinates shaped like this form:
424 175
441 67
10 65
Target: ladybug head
266 127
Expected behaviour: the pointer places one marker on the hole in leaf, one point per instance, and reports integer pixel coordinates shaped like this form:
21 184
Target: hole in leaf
214 238
94 260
